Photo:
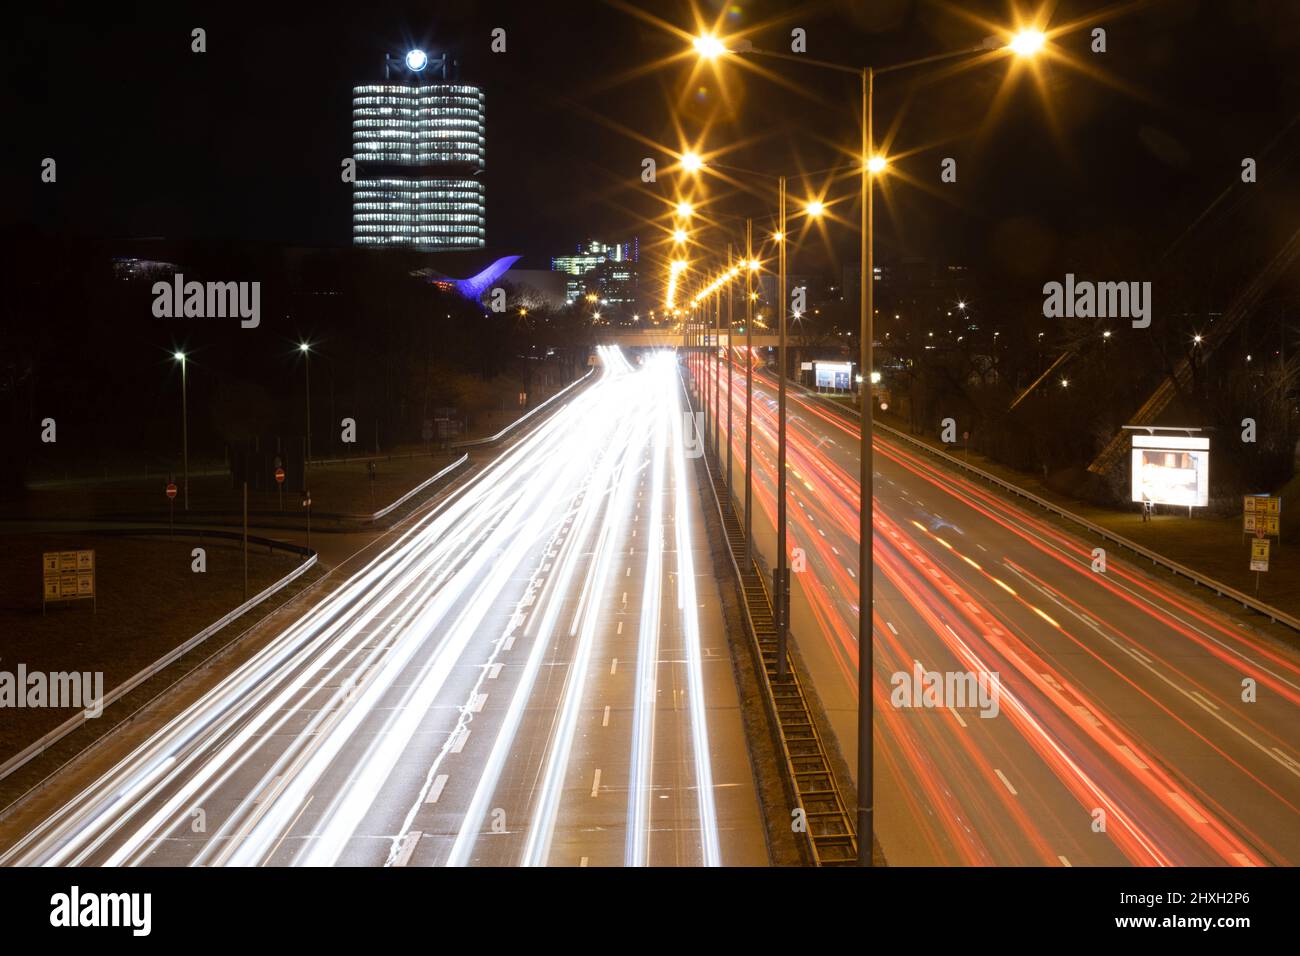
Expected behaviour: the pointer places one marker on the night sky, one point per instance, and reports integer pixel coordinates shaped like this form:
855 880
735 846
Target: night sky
244 141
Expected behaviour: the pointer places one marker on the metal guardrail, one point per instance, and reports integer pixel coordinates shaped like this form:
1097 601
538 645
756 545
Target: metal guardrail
76 720
389 509
829 831
493 439
1274 614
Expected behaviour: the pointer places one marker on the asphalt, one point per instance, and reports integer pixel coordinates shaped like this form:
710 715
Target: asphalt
532 671
1121 734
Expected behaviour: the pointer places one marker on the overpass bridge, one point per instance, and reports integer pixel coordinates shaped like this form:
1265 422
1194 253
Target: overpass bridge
655 339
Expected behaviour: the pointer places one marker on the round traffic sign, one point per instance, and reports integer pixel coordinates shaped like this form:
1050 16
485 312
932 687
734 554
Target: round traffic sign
171 489
279 475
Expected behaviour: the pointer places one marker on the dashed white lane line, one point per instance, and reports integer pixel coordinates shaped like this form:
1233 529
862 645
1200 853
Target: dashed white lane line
476 703
508 643
1003 777
595 783
435 791
495 670
620 628
893 630
1064 861
613 667
269 789
458 744
583 861
605 720
408 847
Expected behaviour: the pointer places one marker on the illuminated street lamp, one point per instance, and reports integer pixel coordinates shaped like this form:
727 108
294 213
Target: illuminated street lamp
1027 42
709 46
691 162
815 209
185 429
679 236
305 349
685 209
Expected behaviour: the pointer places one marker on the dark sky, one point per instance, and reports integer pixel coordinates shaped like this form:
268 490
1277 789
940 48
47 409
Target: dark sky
245 140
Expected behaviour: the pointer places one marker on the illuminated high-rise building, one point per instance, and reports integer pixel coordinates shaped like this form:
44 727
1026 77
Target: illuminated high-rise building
419 144
606 270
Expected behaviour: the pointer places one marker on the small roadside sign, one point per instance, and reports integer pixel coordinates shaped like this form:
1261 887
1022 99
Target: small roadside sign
1262 514
279 476
67 576
171 489
1259 554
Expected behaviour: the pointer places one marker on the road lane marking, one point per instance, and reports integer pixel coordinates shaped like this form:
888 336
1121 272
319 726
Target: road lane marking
408 847
1190 810
1003 777
613 668
476 703
495 670
891 627
435 791
508 643
462 735
1064 861
605 721
595 783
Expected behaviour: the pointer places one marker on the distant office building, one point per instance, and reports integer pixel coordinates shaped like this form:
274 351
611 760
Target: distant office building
607 271
419 143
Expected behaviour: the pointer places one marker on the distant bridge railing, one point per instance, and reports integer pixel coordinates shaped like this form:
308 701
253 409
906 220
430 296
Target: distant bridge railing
644 339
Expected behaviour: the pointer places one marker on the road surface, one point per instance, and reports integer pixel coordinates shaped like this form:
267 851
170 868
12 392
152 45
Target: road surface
535 673
1134 724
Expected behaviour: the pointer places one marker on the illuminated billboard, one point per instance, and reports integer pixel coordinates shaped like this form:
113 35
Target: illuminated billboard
1171 469
834 375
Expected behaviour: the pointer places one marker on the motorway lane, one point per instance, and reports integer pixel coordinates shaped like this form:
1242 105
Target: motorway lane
1121 697
448 705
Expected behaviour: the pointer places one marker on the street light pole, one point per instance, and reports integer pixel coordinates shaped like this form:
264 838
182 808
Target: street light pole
749 394
715 364
730 328
782 587
185 430
866 644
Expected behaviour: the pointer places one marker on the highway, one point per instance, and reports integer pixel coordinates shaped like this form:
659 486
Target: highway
534 673
1134 724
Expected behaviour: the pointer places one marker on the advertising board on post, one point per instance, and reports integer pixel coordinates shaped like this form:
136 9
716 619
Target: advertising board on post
1172 468
68 576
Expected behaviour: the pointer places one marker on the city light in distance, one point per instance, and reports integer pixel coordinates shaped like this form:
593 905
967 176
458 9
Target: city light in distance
816 208
691 162
304 347
876 164
685 209
679 235
416 60
179 356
